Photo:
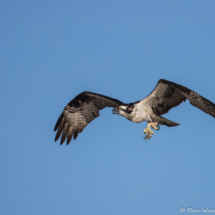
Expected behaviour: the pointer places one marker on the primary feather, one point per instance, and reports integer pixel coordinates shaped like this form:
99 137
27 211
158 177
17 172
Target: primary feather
167 95
79 112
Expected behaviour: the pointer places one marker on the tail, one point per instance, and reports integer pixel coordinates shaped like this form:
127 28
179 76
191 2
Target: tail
163 121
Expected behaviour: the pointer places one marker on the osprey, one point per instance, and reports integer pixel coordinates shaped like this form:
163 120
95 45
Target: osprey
85 107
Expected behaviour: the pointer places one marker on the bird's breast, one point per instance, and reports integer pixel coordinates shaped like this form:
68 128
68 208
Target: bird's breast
140 118
141 113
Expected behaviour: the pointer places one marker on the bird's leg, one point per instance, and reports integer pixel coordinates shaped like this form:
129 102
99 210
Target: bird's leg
148 131
155 125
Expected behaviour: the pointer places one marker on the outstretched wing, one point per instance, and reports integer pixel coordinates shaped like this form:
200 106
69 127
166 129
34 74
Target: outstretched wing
79 112
167 95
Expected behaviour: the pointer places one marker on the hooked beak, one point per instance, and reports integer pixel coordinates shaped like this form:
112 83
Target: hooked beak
115 111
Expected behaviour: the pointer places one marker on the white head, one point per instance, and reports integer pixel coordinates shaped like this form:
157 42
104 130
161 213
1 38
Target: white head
121 110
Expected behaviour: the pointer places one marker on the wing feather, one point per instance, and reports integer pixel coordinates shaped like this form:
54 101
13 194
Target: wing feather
79 112
58 122
75 135
60 129
167 95
65 131
70 134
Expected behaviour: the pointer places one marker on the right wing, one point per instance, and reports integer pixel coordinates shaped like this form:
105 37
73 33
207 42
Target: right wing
79 112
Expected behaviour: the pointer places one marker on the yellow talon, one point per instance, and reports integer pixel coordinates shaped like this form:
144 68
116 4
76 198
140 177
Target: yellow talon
148 131
154 125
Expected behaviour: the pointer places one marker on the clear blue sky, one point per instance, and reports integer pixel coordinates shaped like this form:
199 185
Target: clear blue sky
51 51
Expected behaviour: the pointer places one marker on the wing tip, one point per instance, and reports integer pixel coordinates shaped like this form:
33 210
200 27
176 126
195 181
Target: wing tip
68 138
58 122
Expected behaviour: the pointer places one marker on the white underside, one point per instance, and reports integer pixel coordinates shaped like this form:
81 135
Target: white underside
142 113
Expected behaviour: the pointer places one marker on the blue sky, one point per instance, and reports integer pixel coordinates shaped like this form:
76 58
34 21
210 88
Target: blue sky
53 50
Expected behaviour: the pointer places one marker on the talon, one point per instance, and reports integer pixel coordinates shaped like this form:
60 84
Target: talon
155 126
158 127
148 131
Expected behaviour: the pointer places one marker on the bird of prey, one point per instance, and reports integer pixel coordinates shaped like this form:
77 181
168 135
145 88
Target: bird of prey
85 107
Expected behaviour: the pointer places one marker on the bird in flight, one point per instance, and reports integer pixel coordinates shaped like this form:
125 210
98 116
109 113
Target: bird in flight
85 107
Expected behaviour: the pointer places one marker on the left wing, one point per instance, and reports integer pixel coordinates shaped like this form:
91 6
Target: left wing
79 112
167 95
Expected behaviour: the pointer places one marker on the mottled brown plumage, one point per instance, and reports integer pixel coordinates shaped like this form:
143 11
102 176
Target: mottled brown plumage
79 112
167 95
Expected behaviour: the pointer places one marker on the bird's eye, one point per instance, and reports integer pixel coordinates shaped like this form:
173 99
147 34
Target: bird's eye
120 108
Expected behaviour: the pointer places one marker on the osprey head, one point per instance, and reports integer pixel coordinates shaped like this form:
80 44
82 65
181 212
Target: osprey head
121 110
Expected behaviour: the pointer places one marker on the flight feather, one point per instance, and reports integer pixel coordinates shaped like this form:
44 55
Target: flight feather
79 112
